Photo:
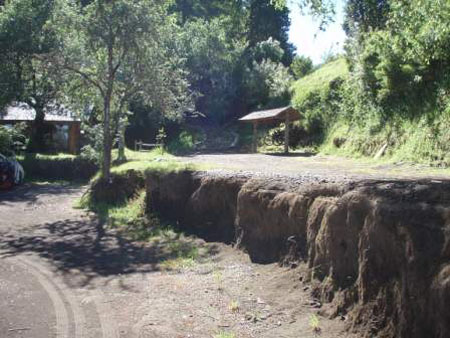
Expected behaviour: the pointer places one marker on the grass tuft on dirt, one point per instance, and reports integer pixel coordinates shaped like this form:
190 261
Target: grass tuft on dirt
224 334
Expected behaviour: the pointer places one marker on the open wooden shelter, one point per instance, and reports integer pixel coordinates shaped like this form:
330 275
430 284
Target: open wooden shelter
285 114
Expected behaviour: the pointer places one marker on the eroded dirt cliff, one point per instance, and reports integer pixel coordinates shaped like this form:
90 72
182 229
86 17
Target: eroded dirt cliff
377 251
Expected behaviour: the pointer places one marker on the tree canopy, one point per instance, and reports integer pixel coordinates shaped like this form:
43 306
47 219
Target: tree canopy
120 51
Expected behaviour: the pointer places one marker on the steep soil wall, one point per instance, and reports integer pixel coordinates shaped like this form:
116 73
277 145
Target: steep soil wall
378 251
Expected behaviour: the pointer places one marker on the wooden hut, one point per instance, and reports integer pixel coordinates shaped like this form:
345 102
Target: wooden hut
65 128
285 114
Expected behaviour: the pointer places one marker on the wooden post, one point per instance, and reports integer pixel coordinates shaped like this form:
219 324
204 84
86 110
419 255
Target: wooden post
286 135
74 135
255 137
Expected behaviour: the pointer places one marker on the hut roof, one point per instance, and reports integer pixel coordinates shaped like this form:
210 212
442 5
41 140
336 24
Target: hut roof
23 112
272 114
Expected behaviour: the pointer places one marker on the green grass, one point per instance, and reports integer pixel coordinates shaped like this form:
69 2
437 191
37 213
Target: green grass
154 165
176 250
318 80
414 143
121 215
50 157
224 334
314 324
154 161
178 264
132 155
66 167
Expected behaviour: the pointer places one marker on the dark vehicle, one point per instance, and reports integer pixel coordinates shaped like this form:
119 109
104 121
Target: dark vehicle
11 172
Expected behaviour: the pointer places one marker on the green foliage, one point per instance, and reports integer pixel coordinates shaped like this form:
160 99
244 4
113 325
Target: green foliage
226 45
120 51
267 84
269 21
266 81
314 324
301 66
12 139
269 49
58 167
93 150
161 137
363 16
321 9
397 91
130 218
5 140
153 161
319 80
224 334
24 37
213 60
318 97
185 142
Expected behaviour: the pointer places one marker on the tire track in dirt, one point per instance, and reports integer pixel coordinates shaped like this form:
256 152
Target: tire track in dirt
65 303
67 296
61 313
108 326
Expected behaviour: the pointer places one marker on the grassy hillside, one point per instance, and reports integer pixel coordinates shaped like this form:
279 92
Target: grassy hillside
344 120
318 81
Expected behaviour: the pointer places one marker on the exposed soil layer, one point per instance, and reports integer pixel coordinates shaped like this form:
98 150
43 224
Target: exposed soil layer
378 251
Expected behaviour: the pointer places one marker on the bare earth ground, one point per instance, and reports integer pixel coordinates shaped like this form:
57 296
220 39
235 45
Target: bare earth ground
62 274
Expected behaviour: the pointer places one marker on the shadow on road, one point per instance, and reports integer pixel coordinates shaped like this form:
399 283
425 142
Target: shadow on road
305 154
85 247
30 192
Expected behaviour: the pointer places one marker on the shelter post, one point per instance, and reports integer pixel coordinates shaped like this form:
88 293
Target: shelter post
74 134
286 134
255 137
272 116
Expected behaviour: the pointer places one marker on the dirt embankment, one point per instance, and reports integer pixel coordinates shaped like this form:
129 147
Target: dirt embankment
377 251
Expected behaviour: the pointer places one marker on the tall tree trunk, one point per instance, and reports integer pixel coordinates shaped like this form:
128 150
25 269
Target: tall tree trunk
106 168
122 126
38 130
107 141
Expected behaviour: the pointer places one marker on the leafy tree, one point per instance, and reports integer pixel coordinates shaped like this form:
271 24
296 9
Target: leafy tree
269 49
212 60
362 16
12 139
266 81
267 85
233 14
321 9
207 9
24 77
267 21
405 65
301 66
121 51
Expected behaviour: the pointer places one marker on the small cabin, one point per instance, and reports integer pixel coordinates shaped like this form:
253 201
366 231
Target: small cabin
64 129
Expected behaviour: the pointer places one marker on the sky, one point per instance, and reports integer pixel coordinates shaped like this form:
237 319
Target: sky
312 42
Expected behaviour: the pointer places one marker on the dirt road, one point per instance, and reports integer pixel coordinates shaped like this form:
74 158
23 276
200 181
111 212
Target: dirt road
62 274
304 164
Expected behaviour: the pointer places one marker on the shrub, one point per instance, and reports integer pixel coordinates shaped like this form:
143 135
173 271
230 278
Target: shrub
12 138
58 167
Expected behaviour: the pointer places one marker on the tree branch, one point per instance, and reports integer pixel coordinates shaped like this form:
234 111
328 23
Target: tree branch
73 69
